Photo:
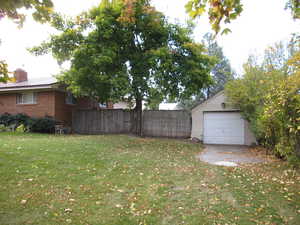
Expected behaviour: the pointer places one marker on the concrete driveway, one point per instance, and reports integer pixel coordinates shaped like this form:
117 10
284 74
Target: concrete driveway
228 155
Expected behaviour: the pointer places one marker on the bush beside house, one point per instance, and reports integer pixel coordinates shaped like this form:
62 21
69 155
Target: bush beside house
30 124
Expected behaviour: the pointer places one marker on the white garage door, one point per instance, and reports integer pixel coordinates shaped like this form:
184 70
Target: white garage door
223 128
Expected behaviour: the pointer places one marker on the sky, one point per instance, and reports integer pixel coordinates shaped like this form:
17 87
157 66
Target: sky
262 23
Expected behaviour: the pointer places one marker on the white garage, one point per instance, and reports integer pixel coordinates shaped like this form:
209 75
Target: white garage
216 122
223 128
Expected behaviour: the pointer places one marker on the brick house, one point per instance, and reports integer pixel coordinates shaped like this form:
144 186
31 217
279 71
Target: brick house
42 97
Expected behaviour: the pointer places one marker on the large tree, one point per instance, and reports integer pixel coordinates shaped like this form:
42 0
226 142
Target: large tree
42 10
126 48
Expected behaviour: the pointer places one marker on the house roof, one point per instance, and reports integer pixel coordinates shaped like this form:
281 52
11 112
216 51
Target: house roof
209 99
39 83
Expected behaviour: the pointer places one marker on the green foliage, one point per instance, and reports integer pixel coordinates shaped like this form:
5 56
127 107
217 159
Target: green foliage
127 49
43 125
154 100
224 11
280 119
5 119
294 6
191 102
219 11
63 46
248 93
3 71
11 9
21 122
221 73
21 129
269 98
17 122
3 128
17 119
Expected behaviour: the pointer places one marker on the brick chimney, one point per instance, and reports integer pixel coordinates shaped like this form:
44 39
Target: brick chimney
20 75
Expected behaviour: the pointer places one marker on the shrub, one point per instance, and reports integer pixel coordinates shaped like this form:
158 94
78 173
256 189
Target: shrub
280 119
16 120
21 129
3 128
21 119
269 98
6 119
23 123
43 125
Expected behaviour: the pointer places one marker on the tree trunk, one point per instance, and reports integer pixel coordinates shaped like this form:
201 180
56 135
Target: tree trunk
139 117
208 93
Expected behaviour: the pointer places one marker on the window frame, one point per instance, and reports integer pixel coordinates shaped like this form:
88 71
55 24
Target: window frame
69 96
21 100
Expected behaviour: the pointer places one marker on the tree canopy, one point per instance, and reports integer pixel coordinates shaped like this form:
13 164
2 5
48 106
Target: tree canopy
127 49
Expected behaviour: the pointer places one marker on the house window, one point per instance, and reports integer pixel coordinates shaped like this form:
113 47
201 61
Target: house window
27 98
70 99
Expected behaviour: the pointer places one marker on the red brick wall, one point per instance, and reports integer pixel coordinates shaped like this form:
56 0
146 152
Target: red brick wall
44 106
63 111
49 103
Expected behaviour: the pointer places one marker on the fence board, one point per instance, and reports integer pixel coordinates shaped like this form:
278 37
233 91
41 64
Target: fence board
165 123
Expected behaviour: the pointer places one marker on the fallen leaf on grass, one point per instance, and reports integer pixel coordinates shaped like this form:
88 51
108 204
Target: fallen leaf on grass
68 210
118 206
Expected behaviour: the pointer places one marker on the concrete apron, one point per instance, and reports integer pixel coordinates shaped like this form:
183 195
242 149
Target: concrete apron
228 155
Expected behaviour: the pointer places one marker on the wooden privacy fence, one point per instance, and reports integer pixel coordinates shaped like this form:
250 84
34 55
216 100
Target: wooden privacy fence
102 121
165 123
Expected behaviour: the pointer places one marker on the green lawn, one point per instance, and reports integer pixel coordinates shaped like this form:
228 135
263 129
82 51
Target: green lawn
111 180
